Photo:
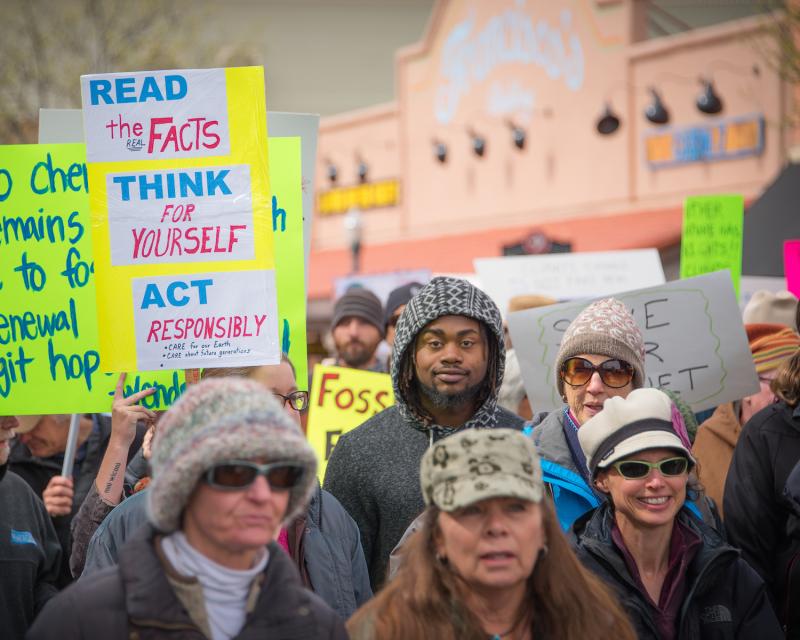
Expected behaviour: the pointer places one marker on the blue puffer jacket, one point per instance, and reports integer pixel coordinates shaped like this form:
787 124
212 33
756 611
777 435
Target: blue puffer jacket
332 549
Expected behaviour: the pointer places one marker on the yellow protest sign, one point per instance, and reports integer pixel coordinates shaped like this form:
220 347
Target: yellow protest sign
340 400
181 224
49 361
712 236
286 180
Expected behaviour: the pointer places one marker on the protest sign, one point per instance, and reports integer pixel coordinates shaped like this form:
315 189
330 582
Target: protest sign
568 276
305 125
712 236
181 225
791 265
288 227
748 285
340 400
381 284
49 361
694 340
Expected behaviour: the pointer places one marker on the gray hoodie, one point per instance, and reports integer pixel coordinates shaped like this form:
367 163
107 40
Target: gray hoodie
374 469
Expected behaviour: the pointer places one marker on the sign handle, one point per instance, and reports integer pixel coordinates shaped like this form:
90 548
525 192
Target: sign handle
72 445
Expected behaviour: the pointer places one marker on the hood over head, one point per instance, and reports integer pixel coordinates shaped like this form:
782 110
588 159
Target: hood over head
446 296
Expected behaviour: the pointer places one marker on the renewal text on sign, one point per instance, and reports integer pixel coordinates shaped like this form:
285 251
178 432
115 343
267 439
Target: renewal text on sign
137 116
694 339
341 399
49 362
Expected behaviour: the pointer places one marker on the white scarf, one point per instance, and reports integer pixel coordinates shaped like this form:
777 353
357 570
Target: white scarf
225 590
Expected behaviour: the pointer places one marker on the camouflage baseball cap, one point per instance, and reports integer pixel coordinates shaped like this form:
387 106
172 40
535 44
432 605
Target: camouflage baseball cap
477 464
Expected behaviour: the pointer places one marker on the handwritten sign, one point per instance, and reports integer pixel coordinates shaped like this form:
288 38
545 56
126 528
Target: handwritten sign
712 236
49 361
568 276
341 399
791 265
181 224
694 340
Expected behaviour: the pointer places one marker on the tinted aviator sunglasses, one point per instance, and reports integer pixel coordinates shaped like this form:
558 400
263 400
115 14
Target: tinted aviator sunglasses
614 373
298 400
236 475
638 469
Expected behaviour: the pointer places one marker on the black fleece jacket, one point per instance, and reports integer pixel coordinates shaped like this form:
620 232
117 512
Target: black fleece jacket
29 556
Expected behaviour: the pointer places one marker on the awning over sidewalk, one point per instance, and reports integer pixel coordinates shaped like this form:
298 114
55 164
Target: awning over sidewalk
771 219
454 253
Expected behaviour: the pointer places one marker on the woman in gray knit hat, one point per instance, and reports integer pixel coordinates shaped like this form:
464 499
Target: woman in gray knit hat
601 356
229 467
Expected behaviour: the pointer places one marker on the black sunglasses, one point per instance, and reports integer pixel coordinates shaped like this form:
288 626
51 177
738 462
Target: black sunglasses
235 475
638 469
298 400
614 373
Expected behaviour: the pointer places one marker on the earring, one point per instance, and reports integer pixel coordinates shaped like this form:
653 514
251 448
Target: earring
441 559
544 550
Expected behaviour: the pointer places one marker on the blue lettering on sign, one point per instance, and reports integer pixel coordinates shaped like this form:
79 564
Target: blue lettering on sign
22 537
152 294
123 89
177 184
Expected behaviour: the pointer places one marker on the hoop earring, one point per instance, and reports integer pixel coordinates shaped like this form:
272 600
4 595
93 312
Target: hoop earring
544 550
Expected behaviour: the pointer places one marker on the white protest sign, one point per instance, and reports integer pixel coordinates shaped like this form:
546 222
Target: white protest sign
694 340
130 115
169 335
568 276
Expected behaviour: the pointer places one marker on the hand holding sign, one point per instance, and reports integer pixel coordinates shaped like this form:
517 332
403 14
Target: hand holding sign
126 412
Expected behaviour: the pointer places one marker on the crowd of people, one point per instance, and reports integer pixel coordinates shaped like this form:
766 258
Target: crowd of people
460 512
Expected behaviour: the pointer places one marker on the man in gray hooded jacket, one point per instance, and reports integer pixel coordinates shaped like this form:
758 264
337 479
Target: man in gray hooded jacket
447 367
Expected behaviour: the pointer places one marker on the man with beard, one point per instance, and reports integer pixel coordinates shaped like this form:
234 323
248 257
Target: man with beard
447 366
29 550
358 330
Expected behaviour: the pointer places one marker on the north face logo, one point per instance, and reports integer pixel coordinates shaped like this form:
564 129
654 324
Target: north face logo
715 613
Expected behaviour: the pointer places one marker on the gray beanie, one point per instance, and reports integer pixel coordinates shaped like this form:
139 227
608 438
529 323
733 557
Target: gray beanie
360 303
604 328
214 421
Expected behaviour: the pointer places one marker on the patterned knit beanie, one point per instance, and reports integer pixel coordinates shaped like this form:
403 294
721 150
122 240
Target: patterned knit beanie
604 328
771 345
214 421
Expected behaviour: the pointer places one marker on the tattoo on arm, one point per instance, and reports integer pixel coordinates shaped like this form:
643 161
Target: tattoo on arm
113 477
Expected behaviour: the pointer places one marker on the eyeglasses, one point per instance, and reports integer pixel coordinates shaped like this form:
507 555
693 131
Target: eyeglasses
614 373
638 469
298 400
235 475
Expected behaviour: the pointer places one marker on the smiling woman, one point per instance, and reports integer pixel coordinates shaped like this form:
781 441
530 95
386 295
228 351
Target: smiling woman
490 560
676 576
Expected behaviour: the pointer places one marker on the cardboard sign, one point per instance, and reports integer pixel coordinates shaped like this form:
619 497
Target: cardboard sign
694 340
341 399
568 276
48 325
180 205
712 236
791 265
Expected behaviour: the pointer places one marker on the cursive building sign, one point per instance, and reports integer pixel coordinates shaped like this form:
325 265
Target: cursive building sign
511 37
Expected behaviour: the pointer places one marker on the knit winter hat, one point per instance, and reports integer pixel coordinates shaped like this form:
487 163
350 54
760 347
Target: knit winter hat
604 328
625 426
361 303
771 345
214 421
477 464
399 297
446 296
773 308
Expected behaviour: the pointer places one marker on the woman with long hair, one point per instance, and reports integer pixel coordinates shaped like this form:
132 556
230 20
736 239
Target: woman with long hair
675 576
490 560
